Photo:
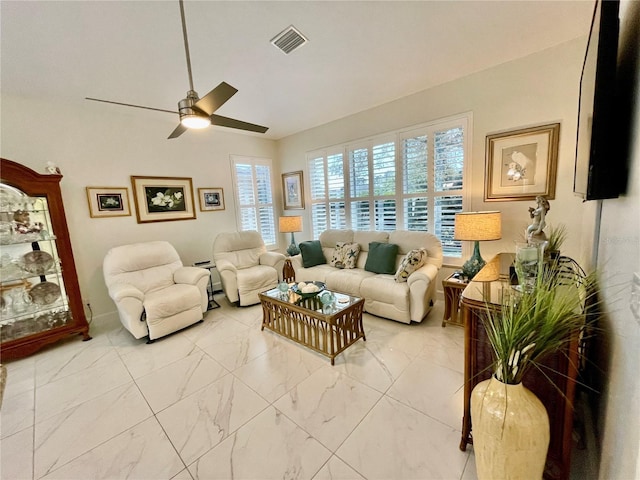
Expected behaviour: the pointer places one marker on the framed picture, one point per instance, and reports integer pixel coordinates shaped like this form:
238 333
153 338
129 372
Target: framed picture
163 199
211 199
522 164
292 189
108 202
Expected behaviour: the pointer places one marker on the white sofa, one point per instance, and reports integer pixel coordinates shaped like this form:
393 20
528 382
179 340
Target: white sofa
383 296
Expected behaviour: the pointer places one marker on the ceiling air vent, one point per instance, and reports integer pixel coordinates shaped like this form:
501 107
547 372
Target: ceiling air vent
289 39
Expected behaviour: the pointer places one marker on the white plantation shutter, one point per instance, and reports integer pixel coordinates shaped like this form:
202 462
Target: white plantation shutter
414 159
360 215
335 176
359 173
254 196
385 215
410 180
326 179
319 219
317 182
415 204
416 213
446 208
448 159
337 215
384 169
448 185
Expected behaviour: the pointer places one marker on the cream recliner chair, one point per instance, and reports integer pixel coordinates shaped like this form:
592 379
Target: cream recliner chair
245 266
154 293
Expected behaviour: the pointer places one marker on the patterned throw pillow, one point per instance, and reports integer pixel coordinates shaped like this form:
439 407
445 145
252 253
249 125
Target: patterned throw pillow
345 255
411 262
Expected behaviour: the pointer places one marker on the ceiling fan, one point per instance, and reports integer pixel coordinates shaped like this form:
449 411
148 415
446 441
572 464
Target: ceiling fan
198 112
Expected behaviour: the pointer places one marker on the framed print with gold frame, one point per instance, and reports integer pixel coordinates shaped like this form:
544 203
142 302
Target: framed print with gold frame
522 164
108 202
211 199
293 190
163 199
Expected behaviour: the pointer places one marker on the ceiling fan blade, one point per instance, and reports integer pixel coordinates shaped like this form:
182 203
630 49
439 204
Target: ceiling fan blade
233 123
216 98
130 105
180 129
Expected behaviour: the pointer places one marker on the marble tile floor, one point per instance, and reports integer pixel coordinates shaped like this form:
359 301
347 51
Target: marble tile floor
224 400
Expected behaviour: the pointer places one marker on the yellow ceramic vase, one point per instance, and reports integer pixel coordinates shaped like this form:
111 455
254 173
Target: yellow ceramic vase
510 431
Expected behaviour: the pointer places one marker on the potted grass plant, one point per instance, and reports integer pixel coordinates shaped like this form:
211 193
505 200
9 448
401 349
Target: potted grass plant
510 424
557 236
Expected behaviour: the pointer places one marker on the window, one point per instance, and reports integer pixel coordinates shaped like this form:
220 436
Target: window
254 196
410 180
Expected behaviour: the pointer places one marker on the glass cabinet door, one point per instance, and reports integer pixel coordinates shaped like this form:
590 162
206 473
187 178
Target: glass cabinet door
33 296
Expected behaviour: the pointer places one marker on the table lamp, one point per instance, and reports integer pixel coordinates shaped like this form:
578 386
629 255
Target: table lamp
476 226
290 225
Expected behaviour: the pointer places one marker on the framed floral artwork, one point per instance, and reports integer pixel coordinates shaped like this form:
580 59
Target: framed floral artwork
108 202
163 199
211 199
521 164
292 189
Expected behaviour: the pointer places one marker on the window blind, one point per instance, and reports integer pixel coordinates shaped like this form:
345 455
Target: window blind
254 196
411 179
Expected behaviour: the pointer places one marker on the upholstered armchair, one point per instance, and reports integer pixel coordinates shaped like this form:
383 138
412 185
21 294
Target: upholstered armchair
154 293
245 266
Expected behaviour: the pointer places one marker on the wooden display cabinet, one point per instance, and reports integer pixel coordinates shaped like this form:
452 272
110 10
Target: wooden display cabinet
40 296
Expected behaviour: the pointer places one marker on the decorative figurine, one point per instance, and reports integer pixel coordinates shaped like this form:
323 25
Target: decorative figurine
23 223
535 230
52 168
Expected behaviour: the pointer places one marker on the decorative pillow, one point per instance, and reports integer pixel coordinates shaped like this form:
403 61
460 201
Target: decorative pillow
410 263
312 255
345 255
382 258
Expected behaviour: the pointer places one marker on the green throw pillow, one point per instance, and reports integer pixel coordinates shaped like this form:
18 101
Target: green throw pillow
312 253
382 258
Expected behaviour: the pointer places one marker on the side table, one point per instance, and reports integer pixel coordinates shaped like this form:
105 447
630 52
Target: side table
452 287
211 267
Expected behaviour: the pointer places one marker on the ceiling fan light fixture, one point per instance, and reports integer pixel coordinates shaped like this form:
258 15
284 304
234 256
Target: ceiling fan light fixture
189 116
194 121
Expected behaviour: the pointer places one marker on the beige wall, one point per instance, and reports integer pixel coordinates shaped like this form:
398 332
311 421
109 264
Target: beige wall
619 259
541 88
102 145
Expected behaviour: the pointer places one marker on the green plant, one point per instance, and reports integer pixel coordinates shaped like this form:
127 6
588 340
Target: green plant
557 236
534 323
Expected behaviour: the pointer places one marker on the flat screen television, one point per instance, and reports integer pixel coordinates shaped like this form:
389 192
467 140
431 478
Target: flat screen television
600 166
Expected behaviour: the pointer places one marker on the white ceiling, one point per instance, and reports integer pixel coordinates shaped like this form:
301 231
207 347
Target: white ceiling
359 55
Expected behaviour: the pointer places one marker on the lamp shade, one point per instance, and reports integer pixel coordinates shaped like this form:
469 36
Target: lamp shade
490 272
478 226
290 224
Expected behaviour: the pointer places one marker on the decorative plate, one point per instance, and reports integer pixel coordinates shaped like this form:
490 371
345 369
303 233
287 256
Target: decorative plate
296 289
37 262
44 293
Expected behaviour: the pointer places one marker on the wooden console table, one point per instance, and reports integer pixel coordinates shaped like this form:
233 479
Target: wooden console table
556 392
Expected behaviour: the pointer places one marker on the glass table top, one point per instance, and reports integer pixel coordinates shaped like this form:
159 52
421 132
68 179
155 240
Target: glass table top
315 303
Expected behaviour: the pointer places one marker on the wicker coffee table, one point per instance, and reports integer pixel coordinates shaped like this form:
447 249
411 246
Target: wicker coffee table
301 320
